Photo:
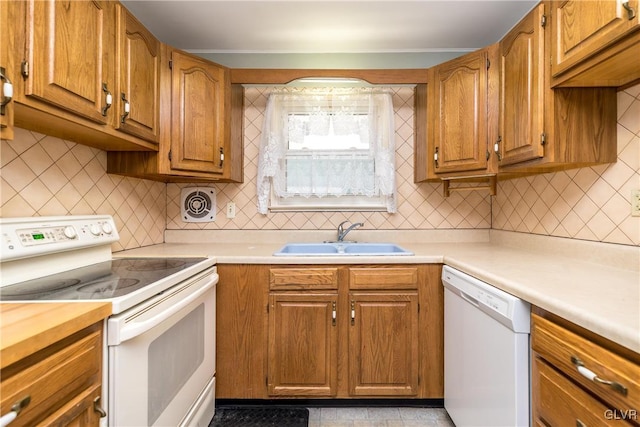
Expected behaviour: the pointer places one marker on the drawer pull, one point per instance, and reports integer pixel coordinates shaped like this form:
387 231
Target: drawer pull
587 373
15 411
580 424
98 408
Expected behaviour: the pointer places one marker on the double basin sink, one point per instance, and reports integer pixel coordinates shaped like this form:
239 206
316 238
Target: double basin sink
341 249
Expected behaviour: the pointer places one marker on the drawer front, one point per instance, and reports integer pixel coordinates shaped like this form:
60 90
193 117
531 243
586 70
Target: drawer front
567 350
559 402
383 278
54 381
303 278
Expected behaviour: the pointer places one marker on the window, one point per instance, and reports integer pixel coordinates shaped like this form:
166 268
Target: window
327 149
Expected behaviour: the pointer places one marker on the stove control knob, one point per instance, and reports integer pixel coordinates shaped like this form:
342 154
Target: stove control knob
95 229
70 232
107 228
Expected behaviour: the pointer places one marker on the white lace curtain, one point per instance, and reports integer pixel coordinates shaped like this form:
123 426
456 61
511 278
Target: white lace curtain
356 156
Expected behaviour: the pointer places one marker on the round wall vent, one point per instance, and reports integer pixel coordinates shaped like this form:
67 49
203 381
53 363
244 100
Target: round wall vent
198 204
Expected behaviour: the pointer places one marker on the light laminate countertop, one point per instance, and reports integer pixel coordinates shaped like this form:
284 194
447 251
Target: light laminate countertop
594 285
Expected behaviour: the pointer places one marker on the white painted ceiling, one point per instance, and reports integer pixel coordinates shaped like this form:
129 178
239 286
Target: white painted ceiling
337 26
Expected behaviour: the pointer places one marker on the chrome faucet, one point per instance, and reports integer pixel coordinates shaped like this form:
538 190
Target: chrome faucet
342 232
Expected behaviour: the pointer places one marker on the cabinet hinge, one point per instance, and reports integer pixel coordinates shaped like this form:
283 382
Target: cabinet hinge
543 138
488 63
488 154
418 307
170 64
169 155
24 69
543 21
267 308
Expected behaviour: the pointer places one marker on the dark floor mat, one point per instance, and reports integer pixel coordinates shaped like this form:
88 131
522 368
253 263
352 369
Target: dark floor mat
260 416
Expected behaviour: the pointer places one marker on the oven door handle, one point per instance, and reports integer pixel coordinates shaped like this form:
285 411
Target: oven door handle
138 328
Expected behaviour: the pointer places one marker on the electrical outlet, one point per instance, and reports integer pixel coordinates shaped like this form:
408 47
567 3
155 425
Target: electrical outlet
635 203
231 210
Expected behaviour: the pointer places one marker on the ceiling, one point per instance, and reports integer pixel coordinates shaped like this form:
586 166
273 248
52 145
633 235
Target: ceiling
320 27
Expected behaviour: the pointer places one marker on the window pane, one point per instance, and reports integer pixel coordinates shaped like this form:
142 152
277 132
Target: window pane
330 131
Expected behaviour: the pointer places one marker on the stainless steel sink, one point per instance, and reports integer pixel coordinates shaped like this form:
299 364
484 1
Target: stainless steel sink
341 249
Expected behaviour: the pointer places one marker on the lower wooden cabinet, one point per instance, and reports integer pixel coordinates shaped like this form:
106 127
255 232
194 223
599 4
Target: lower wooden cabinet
383 344
579 378
303 345
62 382
335 331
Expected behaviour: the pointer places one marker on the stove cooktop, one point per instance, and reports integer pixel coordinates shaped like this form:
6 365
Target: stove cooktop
105 280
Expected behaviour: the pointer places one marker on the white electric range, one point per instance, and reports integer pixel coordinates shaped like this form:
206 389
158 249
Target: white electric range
159 359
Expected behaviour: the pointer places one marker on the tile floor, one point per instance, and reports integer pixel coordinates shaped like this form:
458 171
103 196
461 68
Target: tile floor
379 417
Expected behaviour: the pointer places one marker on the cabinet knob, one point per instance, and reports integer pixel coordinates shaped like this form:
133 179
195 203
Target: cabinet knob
7 90
589 374
15 411
108 99
631 12
127 107
97 408
496 148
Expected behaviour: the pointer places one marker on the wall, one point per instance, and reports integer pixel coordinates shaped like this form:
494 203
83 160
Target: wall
43 175
588 203
420 206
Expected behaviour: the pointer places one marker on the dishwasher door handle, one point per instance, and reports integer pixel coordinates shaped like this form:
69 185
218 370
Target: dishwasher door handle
471 300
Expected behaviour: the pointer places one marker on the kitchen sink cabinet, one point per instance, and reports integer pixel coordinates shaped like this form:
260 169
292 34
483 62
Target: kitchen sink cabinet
595 43
459 96
383 344
383 331
568 364
62 382
202 136
330 331
544 129
303 344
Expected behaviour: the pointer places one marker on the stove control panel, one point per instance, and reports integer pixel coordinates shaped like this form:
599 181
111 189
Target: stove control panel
26 237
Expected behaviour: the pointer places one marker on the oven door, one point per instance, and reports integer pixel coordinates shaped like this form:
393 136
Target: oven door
162 356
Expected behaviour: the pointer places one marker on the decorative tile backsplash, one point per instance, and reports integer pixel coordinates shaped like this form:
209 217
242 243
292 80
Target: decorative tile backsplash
43 175
420 206
588 203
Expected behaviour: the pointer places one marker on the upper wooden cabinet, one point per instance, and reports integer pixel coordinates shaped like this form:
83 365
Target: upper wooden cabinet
201 136
544 129
459 101
198 90
522 91
595 43
137 97
70 56
7 71
64 71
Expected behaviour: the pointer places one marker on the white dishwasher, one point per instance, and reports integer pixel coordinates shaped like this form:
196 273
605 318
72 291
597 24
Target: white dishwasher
486 353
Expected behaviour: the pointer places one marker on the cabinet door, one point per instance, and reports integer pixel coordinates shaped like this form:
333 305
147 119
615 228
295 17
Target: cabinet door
582 28
138 97
459 140
198 100
522 90
79 411
303 347
8 13
70 54
383 344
